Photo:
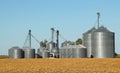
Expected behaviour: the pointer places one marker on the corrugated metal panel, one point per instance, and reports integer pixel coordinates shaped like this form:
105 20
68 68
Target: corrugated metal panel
29 53
40 50
45 54
15 52
73 51
51 45
79 52
87 42
103 43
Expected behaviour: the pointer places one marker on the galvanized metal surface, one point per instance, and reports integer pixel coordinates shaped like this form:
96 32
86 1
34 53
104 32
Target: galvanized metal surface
103 43
73 51
45 54
29 53
87 41
67 43
40 50
15 52
51 45
79 52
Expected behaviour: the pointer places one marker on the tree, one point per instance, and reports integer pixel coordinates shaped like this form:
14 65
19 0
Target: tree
43 43
78 41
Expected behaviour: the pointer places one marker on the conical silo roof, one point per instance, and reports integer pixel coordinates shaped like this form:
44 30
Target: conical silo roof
102 29
91 30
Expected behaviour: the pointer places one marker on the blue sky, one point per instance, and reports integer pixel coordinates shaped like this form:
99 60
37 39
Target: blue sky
71 17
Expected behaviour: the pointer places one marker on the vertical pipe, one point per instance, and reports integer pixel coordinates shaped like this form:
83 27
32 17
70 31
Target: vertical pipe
57 39
98 18
29 38
52 34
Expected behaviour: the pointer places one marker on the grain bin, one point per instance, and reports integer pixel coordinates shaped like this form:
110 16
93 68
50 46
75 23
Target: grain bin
51 45
87 42
79 51
45 54
103 44
15 52
29 53
40 50
55 52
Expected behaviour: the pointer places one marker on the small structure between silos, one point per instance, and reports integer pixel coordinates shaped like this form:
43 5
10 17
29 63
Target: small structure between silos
15 52
52 49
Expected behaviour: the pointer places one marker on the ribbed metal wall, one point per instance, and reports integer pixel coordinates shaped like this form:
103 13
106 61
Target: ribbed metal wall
87 41
15 52
45 54
29 53
40 50
103 43
79 52
73 51
51 45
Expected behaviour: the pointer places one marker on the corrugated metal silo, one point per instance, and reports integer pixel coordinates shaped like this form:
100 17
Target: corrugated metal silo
79 51
45 54
87 42
51 45
40 50
29 53
103 43
15 52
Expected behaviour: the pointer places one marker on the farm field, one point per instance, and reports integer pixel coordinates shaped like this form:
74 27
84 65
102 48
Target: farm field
60 65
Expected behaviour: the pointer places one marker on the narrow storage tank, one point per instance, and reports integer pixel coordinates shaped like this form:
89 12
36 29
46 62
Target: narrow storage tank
103 44
87 41
15 52
40 50
29 53
51 45
45 54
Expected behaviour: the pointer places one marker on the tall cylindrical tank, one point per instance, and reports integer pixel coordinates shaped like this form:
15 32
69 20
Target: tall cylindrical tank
15 52
103 44
51 45
40 50
79 52
29 53
87 41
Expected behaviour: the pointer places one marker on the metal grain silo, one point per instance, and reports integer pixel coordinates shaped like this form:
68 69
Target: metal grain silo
40 50
79 51
87 41
29 53
51 45
55 52
15 52
103 44
45 54
63 52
